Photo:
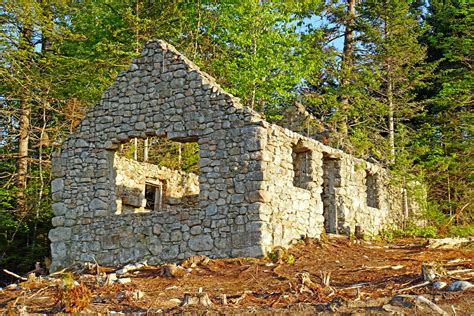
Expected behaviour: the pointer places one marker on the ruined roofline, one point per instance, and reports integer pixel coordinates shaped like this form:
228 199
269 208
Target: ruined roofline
207 78
153 47
109 102
331 151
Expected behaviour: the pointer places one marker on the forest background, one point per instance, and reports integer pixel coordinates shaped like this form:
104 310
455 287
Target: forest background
387 80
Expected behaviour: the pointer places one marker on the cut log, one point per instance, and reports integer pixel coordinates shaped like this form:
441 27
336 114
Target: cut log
435 308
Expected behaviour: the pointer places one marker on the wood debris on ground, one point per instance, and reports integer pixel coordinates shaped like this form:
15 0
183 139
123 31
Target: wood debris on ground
336 275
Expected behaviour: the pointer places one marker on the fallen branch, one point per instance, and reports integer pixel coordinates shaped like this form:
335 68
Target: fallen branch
454 310
241 297
433 306
39 291
355 286
414 286
15 275
58 272
17 299
397 267
69 268
459 271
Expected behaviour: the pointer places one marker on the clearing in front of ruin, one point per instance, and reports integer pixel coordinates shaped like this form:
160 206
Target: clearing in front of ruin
363 276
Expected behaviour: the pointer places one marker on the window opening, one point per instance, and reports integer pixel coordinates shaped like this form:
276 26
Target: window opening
153 196
301 167
372 190
165 175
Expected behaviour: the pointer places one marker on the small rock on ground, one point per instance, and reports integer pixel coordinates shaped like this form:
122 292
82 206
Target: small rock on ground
460 286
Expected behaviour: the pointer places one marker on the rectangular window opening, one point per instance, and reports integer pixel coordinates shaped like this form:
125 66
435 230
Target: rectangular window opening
157 174
301 167
153 196
372 190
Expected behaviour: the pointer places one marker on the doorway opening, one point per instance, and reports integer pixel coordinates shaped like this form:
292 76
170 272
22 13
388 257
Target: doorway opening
331 181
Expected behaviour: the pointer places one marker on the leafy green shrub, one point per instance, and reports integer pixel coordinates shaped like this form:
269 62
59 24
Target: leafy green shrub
461 231
434 215
387 235
425 232
415 231
290 259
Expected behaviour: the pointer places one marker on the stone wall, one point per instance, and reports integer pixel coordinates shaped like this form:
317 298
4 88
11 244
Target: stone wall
161 94
290 211
333 196
260 185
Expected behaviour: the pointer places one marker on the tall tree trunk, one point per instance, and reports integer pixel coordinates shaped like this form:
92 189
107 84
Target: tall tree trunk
347 60
135 148
391 123
180 155
22 167
145 150
24 128
137 50
254 83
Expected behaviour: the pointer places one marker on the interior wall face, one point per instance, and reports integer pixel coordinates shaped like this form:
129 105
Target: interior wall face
178 188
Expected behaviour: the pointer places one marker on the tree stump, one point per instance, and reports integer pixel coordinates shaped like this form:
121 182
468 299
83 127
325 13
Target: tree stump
197 299
171 271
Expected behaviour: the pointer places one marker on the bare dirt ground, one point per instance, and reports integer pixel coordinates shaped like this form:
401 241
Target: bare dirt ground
360 277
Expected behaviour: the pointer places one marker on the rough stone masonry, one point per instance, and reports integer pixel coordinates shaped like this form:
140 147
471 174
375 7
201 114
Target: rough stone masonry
259 185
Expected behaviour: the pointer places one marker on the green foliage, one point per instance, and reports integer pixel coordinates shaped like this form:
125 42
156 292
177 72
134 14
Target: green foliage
290 259
461 231
386 235
165 153
445 142
258 54
418 231
428 231
20 245
273 256
280 255
435 216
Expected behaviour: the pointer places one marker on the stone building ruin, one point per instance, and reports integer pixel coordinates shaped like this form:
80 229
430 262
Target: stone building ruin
259 185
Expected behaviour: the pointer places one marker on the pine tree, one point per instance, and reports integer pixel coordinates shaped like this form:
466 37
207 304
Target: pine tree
445 140
392 60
